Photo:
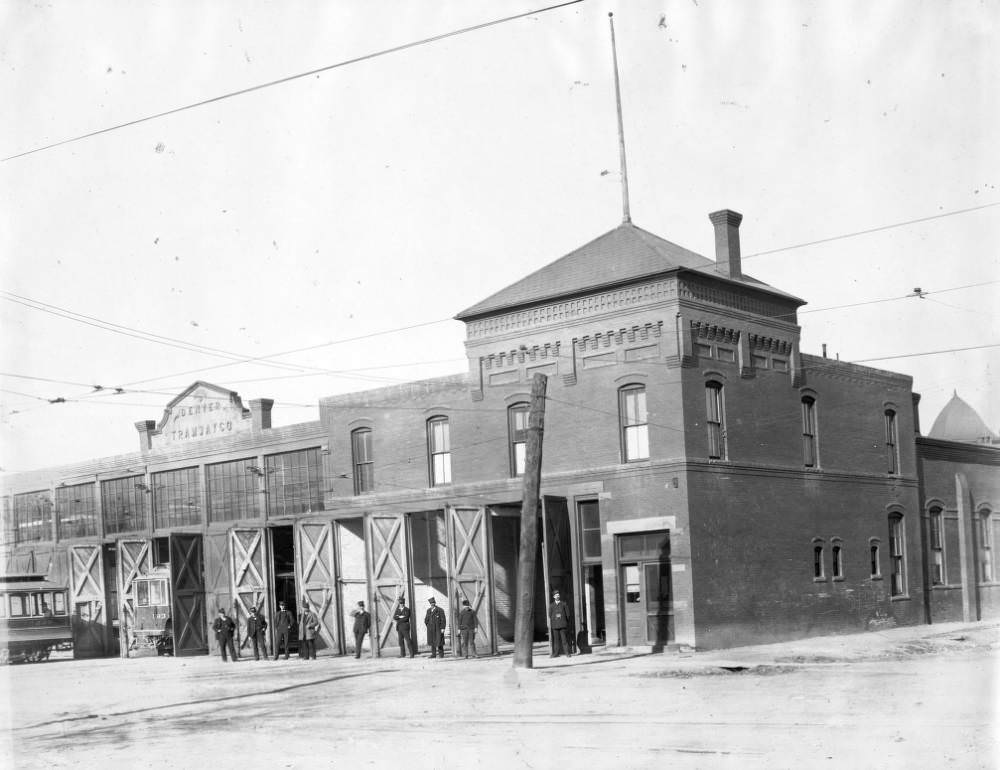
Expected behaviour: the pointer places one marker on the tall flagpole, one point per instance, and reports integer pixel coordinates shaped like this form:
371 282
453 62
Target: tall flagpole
626 216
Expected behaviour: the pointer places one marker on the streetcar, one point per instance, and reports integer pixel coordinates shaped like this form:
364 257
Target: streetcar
34 618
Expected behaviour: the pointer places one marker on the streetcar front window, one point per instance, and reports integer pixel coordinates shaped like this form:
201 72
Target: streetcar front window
157 592
142 593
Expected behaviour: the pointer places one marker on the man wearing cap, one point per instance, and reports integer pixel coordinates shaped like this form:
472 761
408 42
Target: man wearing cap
559 623
224 626
435 621
362 624
308 631
284 621
256 626
402 618
467 622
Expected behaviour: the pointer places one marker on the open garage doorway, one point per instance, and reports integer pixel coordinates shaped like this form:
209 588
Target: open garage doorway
283 586
505 525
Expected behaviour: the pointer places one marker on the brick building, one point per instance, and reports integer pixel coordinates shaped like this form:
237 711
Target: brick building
704 481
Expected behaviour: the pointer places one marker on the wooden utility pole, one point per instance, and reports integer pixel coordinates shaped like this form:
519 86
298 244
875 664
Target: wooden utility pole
524 613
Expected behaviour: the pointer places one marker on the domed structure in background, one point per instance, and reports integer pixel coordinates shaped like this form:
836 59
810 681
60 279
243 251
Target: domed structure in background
960 422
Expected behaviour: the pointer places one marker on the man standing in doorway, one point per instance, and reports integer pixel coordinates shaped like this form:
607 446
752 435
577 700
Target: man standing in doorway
284 621
402 618
224 627
467 622
362 624
256 626
559 623
435 620
308 630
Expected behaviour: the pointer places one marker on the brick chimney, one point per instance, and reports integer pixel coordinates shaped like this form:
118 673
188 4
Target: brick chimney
727 242
260 413
145 428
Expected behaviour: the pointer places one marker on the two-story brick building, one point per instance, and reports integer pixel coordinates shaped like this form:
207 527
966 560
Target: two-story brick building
704 482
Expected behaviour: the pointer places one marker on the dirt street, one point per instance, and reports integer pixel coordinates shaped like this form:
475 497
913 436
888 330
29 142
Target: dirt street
913 698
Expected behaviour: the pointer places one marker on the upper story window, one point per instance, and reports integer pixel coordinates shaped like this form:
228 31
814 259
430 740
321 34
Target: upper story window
891 441
294 482
936 542
897 555
985 538
819 573
364 463
590 530
810 450
517 427
232 490
716 419
837 559
32 517
634 424
125 505
439 450
177 498
76 511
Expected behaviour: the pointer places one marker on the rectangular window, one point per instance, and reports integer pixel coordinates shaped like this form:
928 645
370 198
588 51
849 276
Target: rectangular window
809 448
891 442
937 548
896 556
18 608
364 461
76 511
60 603
32 517
634 422
517 426
142 593
715 417
176 498
232 490
439 450
590 530
294 482
125 505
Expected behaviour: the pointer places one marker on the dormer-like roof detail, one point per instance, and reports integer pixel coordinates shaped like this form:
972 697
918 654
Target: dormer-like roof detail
960 422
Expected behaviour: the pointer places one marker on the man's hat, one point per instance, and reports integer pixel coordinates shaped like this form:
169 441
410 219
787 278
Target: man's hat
402 600
361 604
465 602
252 608
281 604
431 600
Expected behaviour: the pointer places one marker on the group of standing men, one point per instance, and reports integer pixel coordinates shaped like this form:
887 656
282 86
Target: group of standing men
435 621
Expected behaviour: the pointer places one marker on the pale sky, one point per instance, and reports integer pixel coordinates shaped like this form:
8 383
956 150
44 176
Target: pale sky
402 189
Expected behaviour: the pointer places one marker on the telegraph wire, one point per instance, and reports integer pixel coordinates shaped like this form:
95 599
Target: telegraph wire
871 230
289 78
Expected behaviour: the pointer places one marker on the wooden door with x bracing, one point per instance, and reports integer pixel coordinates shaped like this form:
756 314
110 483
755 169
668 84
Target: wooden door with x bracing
390 575
134 560
469 572
88 601
187 578
250 571
316 574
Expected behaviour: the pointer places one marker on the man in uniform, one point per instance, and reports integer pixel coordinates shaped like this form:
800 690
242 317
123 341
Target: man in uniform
224 627
362 624
467 622
308 631
256 626
559 623
435 620
284 621
402 618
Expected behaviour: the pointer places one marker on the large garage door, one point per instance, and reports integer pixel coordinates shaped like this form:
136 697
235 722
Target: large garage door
188 581
390 573
87 601
134 561
316 573
250 570
469 572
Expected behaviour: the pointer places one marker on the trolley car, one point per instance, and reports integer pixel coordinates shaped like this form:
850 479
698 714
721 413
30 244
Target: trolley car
34 618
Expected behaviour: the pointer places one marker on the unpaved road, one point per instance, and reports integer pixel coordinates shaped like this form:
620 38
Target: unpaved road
912 703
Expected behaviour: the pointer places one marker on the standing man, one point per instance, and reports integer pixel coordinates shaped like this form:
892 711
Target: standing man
467 622
362 624
224 627
256 626
284 622
435 620
402 618
308 631
559 623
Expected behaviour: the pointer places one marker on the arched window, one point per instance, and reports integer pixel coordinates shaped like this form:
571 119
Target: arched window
364 463
897 555
517 429
810 449
633 421
985 538
891 441
837 559
876 562
819 571
715 417
936 542
439 450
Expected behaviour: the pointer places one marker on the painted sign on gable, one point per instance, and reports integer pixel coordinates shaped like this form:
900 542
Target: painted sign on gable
200 413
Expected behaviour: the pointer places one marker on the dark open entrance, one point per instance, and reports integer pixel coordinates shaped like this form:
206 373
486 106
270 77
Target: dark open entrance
283 555
505 521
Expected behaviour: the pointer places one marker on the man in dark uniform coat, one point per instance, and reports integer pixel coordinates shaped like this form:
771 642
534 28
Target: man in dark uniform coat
435 620
284 621
308 631
402 618
467 622
362 624
559 623
256 626
224 627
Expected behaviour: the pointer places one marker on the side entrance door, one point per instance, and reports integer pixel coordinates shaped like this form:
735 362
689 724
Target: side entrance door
88 601
390 574
645 587
187 578
317 578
